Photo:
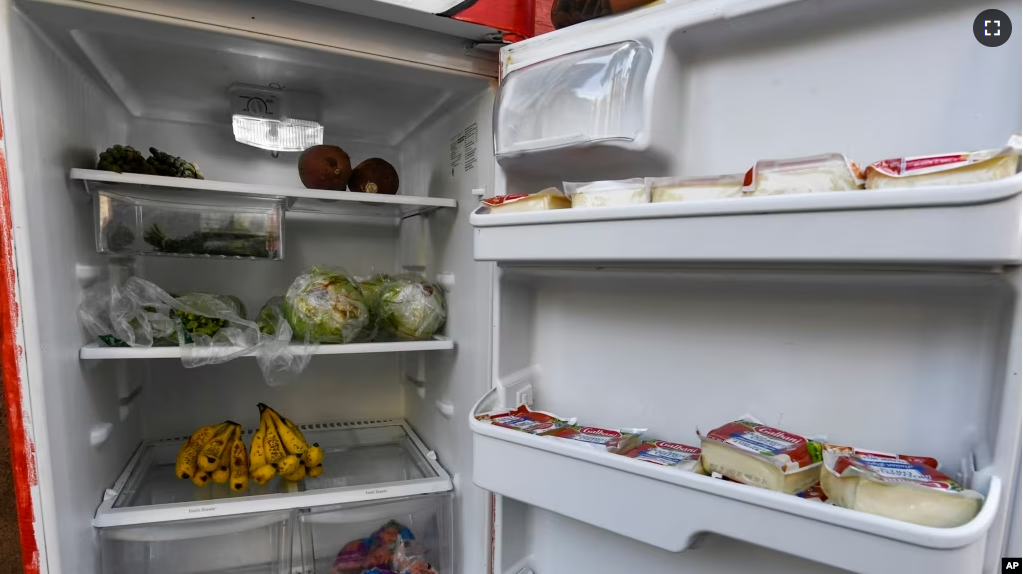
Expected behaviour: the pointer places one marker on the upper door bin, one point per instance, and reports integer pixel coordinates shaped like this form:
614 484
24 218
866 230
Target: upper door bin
591 98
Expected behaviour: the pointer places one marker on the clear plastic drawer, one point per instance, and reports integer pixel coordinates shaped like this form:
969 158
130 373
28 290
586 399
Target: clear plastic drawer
411 534
589 96
138 220
259 543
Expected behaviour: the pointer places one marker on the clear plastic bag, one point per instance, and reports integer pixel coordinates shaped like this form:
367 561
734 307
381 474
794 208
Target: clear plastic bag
326 305
370 286
410 555
280 357
411 308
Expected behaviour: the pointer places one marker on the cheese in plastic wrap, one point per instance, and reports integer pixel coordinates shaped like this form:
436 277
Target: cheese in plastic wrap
550 198
670 454
668 189
614 441
946 169
752 453
612 193
814 174
902 487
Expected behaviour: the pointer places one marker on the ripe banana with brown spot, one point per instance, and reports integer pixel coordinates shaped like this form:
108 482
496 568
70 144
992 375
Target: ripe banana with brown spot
223 471
186 464
201 478
259 468
239 464
210 454
293 442
275 451
315 471
313 456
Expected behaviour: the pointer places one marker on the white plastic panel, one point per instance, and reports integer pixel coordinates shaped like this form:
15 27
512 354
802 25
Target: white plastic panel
586 97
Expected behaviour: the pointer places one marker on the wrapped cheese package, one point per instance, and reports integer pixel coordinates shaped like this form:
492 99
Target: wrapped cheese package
665 189
608 193
902 487
614 441
946 169
814 174
550 198
523 419
749 452
671 454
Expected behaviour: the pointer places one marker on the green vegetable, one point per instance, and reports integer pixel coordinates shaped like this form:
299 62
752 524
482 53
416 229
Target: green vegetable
226 243
168 165
124 159
326 306
270 315
411 308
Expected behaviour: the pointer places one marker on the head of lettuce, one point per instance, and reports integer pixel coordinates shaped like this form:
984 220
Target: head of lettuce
325 305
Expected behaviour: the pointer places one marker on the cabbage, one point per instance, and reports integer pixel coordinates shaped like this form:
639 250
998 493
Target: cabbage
325 305
411 308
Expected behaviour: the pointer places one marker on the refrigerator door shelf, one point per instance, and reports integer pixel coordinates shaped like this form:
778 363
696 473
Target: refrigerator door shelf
363 461
437 343
964 224
622 494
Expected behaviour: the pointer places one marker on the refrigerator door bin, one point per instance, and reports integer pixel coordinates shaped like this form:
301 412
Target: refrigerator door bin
257 543
324 531
622 495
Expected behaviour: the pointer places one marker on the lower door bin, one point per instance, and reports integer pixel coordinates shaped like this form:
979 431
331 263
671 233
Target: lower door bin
403 535
249 543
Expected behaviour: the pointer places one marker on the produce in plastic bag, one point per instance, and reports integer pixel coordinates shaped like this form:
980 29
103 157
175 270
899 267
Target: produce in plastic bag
411 308
371 295
410 555
325 305
351 557
280 358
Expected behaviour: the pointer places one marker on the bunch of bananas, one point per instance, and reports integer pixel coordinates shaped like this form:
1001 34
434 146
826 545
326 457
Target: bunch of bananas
279 447
215 452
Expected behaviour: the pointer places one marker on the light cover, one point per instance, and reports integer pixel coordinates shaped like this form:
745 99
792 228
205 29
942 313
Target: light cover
276 135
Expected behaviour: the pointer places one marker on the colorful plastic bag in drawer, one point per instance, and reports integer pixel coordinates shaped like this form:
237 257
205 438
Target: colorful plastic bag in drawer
902 487
750 452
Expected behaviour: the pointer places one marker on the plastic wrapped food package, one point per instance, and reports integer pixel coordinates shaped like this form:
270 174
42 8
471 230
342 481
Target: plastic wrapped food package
610 193
326 305
750 452
351 557
209 328
550 198
391 549
410 556
815 174
670 454
667 189
370 286
902 487
614 441
521 418
411 308
946 169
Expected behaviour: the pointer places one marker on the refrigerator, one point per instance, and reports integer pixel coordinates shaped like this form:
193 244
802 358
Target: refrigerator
884 319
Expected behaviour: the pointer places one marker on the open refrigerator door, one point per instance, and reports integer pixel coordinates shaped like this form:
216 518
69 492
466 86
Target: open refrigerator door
735 264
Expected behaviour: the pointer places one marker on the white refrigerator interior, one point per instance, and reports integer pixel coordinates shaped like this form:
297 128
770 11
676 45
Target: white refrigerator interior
886 321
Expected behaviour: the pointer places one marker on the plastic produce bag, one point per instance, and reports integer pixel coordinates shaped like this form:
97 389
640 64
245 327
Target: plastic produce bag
280 357
411 308
326 305
410 555
370 286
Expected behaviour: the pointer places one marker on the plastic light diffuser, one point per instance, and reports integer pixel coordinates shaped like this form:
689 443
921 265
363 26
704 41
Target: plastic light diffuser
276 135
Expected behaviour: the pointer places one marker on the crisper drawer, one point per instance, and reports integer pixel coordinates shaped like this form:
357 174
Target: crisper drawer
411 534
257 543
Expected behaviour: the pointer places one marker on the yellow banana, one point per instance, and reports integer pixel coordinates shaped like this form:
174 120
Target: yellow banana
313 456
296 475
239 464
263 474
210 454
201 478
288 464
293 443
295 428
315 471
257 452
274 447
186 463
223 472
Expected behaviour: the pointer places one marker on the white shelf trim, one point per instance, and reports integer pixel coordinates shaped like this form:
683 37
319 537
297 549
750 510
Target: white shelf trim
438 343
258 189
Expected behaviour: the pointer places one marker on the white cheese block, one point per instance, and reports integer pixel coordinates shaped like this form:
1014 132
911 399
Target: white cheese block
927 507
756 471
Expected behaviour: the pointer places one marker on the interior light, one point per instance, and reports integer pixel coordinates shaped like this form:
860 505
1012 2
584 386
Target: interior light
276 135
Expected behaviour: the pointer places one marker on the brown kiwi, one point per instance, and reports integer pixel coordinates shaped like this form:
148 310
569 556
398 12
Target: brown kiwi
325 167
374 176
